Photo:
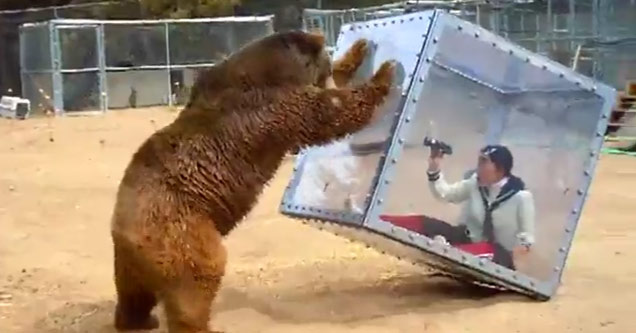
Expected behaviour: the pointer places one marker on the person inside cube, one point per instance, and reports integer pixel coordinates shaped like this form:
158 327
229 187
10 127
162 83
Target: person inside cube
497 208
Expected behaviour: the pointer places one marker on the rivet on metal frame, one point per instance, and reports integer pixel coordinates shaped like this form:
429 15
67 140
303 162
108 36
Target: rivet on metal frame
400 141
544 67
379 201
531 284
428 59
393 160
352 28
368 26
476 35
574 211
429 243
435 40
586 173
592 154
295 169
604 116
562 249
445 249
392 21
482 262
401 20
494 44
410 236
392 230
289 206
420 17
579 192
578 83
514 276
407 119
561 75
527 59
411 19
464 259
497 270
421 79
511 52
599 134
414 100
568 230
459 27
593 88
556 268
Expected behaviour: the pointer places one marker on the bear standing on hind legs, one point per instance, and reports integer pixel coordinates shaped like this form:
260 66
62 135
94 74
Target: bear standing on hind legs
190 183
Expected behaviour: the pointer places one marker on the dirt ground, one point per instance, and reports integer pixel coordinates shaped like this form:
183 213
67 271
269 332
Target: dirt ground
57 185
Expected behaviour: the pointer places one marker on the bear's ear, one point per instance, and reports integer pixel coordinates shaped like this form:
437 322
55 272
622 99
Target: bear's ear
308 43
316 42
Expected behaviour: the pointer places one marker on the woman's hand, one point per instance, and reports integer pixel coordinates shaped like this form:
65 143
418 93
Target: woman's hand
435 160
519 251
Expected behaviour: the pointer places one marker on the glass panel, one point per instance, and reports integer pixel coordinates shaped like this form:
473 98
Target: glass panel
78 47
137 88
81 92
544 122
135 45
38 88
340 175
484 61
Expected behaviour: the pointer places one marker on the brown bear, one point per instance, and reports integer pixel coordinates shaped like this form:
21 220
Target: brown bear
191 182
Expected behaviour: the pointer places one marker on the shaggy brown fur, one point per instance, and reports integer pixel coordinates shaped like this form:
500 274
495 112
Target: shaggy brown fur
191 182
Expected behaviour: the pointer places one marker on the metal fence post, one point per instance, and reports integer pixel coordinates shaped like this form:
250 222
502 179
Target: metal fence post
56 61
167 36
101 63
21 40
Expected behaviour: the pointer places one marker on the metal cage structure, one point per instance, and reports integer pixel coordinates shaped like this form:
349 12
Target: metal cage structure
79 66
595 37
468 87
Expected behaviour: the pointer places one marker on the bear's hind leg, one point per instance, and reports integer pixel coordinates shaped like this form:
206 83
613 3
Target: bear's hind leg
188 307
188 299
134 300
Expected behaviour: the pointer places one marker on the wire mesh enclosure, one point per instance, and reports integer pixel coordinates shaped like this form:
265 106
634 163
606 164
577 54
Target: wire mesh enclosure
74 65
468 87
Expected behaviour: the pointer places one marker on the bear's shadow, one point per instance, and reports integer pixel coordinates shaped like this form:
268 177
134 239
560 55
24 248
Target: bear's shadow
406 294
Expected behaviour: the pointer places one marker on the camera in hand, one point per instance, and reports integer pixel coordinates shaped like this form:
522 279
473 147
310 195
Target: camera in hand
438 145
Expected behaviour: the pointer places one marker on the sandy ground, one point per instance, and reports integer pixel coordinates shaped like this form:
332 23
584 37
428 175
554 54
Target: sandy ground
57 185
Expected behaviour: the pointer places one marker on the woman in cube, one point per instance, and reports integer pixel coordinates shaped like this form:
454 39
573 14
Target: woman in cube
497 208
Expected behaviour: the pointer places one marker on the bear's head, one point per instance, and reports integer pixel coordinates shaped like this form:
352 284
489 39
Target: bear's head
288 58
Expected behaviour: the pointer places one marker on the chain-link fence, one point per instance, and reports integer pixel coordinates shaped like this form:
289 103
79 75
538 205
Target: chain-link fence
71 65
596 37
10 21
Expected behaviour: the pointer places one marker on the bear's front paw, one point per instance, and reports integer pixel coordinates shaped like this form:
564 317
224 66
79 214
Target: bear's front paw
357 52
384 76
